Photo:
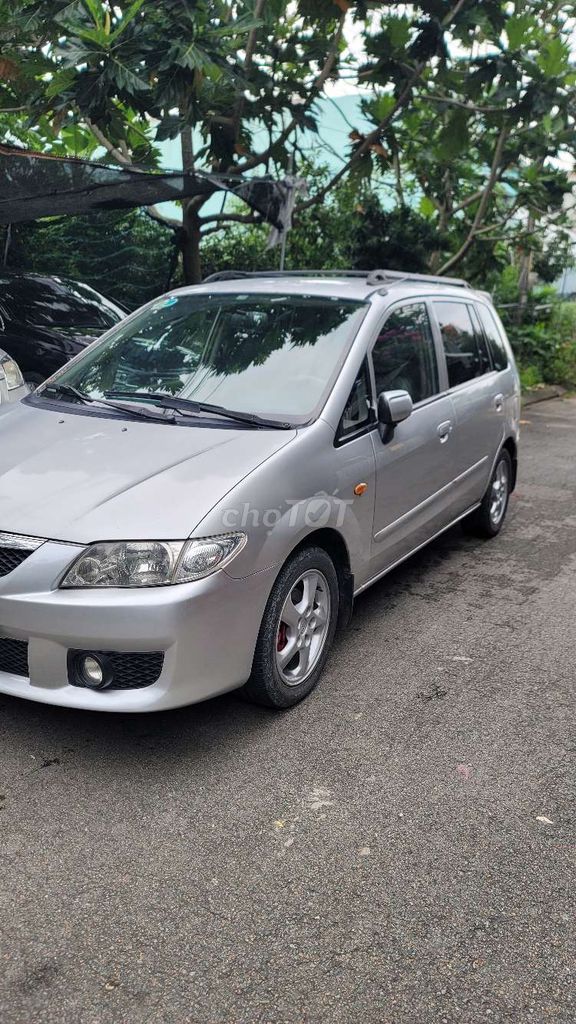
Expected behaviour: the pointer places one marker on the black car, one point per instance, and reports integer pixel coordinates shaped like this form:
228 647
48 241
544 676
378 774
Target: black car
44 321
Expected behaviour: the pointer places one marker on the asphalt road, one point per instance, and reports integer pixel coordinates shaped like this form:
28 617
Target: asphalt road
399 848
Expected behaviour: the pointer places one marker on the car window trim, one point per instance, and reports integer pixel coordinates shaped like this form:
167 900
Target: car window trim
477 322
372 422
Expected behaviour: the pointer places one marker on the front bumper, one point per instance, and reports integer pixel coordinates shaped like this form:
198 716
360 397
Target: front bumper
207 631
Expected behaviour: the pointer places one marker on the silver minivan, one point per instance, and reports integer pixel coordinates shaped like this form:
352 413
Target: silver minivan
191 504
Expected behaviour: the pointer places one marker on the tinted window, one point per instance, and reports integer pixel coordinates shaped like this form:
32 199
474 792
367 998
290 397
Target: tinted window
404 356
50 302
274 355
465 358
482 344
495 340
357 411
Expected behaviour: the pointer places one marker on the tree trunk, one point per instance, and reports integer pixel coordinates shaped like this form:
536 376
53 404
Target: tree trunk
190 222
525 271
191 245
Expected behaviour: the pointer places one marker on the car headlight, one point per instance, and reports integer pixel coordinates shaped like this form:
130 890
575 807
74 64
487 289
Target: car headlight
11 371
151 563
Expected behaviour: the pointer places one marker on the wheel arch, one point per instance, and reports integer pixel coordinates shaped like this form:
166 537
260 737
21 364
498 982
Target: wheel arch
512 449
335 546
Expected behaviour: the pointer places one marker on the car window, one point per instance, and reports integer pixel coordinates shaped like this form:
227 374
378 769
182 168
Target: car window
465 358
404 356
269 354
357 411
482 344
495 340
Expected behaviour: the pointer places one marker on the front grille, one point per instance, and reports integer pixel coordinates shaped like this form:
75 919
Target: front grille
128 671
14 656
15 549
10 558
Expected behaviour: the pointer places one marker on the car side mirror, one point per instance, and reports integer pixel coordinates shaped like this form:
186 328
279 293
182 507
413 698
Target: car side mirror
393 407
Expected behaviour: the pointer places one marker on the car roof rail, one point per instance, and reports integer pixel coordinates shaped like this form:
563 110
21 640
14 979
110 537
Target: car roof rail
230 275
372 277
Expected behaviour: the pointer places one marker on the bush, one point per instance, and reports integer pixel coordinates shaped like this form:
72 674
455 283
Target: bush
545 342
530 376
563 329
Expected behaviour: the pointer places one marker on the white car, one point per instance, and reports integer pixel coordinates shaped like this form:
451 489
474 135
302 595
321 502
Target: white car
12 385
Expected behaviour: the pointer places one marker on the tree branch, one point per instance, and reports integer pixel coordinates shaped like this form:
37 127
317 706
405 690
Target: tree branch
238 218
125 161
375 135
170 222
118 155
315 89
483 204
248 57
468 201
472 107
370 140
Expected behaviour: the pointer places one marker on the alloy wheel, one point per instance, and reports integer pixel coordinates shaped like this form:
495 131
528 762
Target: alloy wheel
303 627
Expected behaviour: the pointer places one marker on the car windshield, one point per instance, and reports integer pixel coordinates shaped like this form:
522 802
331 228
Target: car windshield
271 355
53 303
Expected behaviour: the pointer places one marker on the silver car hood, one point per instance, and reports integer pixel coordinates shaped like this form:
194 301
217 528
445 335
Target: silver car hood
78 478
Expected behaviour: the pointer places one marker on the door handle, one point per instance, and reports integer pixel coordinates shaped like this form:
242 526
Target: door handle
498 402
443 430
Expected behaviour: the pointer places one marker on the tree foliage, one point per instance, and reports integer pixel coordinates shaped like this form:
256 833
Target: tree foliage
471 104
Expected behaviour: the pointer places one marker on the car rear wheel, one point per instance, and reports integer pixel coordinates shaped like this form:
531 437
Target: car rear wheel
297 630
489 517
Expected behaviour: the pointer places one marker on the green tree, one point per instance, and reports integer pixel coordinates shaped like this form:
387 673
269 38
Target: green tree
213 74
221 76
481 141
472 101
125 255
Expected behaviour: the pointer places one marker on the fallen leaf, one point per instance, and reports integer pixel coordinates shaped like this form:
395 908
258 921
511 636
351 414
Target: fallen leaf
280 823
542 817
364 851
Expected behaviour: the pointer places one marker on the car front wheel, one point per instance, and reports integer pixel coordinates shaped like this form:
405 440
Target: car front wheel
296 632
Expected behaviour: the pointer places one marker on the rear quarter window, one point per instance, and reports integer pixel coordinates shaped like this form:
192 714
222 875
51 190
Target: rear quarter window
494 338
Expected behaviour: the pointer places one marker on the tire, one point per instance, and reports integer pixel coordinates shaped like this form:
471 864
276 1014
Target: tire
488 519
307 593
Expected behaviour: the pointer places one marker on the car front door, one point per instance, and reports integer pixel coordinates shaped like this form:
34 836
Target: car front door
476 394
414 468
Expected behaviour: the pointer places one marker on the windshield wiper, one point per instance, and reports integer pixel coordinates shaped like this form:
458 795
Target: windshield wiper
70 391
188 406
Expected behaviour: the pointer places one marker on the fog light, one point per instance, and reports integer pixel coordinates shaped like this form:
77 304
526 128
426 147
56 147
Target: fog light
92 671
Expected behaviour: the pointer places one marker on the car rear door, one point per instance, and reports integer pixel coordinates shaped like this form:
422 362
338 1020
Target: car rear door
474 389
414 470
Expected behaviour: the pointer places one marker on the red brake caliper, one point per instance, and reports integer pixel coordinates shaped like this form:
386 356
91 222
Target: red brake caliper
282 639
